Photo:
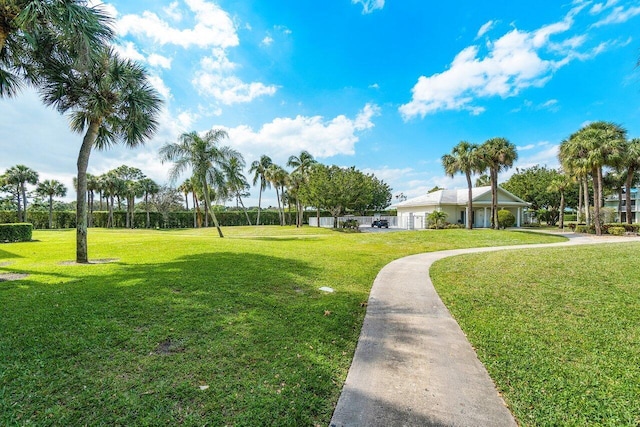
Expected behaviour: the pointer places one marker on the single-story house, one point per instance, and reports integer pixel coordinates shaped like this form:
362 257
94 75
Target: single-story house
412 213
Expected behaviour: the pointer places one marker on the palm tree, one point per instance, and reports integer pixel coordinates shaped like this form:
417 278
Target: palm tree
111 102
302 166
589 150
51 188
20 176
259 170
93 184
464 158
560 184
498 154
632 163
149 188
236 182
203 155
278 178
33 31
483 180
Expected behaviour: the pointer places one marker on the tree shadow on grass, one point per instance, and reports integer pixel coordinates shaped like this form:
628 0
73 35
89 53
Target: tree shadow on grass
134 343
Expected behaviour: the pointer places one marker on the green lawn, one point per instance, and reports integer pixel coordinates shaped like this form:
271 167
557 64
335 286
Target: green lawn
558 329
186 328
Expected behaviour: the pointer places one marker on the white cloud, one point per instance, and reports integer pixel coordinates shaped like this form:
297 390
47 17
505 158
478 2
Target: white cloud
267 41
619 15
213 27
516 61
485 28
129 51
156 60
374 86
159 85
287 136
215 79
599 7
173 11
369 6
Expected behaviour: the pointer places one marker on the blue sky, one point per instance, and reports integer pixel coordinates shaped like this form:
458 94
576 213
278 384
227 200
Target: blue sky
386 85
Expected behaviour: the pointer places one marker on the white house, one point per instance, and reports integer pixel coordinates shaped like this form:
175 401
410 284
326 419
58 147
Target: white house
412 213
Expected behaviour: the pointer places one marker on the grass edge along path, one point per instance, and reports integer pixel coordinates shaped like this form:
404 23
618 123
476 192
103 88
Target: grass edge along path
558 329
186 328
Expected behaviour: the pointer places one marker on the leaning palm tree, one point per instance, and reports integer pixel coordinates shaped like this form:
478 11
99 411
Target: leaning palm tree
464 158
498 154
203 155
20 176
50 188
301 166
259 169
111 102
33 31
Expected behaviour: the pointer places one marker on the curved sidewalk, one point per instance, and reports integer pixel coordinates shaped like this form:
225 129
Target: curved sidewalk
413 365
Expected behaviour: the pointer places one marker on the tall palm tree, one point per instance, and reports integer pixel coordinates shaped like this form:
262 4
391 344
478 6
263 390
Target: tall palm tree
93 185
301 166
20 176
111 102
185 188
236 182
466 159
149 188
498 154
51 188
259 169
632 163
33 31
203 155
593 147
572 157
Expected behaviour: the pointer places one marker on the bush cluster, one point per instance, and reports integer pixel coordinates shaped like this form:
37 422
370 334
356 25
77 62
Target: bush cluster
18 232
614 228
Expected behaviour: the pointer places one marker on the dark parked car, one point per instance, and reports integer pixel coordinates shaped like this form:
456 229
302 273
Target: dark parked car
380 223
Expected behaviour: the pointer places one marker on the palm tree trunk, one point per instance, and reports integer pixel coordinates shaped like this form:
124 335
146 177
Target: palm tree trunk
318 216
279 213
208 205
628 185
243 208
585 194
597 200
24 202
494 198
469 203
81 202
195 210
259 203
18 197
50 211
90 217
562 202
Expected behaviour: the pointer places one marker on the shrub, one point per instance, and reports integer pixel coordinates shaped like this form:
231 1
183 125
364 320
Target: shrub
570 217
630 228
19 232
616 231
505 218
449 226
582 228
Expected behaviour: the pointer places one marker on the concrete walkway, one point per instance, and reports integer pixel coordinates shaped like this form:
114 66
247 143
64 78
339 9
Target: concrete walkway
413 365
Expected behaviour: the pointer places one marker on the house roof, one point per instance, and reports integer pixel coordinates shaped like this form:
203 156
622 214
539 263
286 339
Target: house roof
460 197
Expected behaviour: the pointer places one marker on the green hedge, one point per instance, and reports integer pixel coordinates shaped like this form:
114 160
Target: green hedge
184 219
18 232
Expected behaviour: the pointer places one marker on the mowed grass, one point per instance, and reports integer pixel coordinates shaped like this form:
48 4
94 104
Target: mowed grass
558 329
185 328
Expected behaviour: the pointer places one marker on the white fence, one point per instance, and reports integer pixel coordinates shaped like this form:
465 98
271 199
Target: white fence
364 221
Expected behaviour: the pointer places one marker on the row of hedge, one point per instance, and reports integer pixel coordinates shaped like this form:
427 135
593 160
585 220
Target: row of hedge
185 219
615 228
17 232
